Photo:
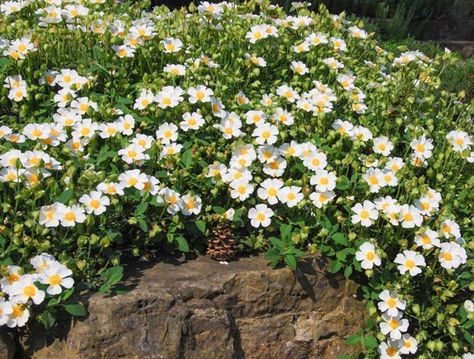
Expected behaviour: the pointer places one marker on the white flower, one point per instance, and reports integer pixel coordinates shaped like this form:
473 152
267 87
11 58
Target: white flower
320 199
422 147
409 344
410 216
69 216
257 32
269 190
49 214
260 215
389 349
56 276
190 205
169 96
133 178
110 188
6 309
265 133
368 256
145 98
450 228
324 181
428 239
390 303
20 314
172 45
291 195
374 179
469 306
175 70
299 67
42 262
255 117
452 255
365 213
394 326
95 202
241 189
167 133
460 140
191 121
171 198
410 261
25 289
13 275
126 124
200 94
382 145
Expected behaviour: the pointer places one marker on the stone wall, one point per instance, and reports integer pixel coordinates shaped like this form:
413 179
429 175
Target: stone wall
204 309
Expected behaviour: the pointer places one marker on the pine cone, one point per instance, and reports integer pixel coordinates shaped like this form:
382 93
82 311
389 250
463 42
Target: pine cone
222 246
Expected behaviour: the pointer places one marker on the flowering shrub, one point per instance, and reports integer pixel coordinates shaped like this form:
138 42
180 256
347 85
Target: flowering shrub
126 132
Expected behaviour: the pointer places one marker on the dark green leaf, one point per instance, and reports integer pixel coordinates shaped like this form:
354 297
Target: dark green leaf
340 238
75 309
182 244
353 339
47 319
186 158
290 260
141 208
370 342
66 196
201 225
335 267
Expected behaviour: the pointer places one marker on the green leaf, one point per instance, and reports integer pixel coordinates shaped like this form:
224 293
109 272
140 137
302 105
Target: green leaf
182 244
343 183
141 208
290 260
186 158
66 196
47 319
143 225
273 256
113 275
353 339
2 241
348 271
218 210
370 342
285 231
76 309
340 239
201 225
335 267
277 243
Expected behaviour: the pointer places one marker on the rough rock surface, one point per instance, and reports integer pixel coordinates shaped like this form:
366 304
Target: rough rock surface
204 309
7 346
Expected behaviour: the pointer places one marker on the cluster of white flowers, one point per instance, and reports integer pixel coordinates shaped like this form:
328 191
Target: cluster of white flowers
394 326
23 291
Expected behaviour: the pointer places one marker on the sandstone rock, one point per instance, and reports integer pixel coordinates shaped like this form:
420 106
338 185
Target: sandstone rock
203 309
7 345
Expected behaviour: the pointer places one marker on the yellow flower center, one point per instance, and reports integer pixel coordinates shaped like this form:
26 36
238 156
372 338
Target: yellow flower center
364 214
70 216
410 264
54 279
370 256
448 257
94 203
391 302
29 291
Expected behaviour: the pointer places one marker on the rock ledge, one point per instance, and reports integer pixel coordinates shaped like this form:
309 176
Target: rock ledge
204 309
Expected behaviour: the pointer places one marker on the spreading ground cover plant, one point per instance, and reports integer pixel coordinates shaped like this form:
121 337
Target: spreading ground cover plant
126 132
